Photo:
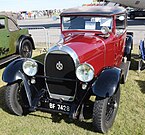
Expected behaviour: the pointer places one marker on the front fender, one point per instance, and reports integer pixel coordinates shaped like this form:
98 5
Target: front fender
107 82
12 71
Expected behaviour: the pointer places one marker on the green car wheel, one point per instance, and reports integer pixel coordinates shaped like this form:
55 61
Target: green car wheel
26 49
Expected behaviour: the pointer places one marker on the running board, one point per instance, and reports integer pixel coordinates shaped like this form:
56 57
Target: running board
8 59
125 69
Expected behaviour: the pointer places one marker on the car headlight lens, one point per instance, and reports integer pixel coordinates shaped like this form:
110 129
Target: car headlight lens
30 67
85 72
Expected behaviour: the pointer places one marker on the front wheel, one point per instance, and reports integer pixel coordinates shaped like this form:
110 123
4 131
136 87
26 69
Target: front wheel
16 101
129 56
25 49
104 112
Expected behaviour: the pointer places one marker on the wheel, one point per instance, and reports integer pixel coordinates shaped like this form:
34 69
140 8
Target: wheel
16 100
132 17
104 112
129 56
26 49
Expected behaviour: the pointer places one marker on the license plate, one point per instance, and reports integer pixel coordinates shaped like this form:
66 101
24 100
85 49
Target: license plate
59 107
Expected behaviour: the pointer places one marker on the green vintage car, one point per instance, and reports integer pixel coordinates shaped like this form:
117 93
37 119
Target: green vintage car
14 42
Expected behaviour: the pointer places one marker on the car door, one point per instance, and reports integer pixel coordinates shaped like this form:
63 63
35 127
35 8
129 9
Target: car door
4 38
13 35
120 38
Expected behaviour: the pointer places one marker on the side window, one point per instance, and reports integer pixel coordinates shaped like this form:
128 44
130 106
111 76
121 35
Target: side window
11 25
120 24
2 23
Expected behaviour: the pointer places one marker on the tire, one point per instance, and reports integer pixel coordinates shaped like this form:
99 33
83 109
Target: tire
129 56
25 49
16 100
104 112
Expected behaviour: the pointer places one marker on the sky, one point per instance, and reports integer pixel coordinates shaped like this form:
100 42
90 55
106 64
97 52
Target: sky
29 5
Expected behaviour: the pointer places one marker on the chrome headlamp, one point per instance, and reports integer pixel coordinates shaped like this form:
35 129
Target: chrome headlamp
30 67
85 72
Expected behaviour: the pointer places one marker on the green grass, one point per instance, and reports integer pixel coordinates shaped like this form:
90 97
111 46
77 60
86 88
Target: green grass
130 118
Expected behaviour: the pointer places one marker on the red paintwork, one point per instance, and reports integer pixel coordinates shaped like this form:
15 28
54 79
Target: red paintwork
89 49
98 51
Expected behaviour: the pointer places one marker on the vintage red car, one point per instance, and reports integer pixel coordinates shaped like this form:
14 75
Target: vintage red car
87 61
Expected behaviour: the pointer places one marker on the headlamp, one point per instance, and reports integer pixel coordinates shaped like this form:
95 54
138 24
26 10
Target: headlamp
85 72
30 67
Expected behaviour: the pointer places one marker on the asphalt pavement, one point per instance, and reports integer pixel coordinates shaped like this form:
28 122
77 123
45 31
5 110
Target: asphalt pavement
40 22
137 26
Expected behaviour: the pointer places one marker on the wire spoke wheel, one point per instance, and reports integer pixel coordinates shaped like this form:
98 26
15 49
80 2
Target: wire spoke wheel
111 108
26 49
104 112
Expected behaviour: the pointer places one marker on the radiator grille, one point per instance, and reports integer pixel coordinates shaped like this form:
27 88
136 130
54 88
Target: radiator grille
60 66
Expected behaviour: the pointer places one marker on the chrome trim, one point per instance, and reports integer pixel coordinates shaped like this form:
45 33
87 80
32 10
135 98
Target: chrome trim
90 67
66 50
62 97
59 49
104 51
34 62
59 66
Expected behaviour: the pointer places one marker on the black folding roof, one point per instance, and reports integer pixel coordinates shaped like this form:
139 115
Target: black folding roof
94 10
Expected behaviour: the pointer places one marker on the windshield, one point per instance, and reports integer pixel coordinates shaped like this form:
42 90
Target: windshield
86 23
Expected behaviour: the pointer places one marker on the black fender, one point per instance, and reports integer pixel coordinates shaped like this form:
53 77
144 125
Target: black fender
128 45
107 82
21 39
14 73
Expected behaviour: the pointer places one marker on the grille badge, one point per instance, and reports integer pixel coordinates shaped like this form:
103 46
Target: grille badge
59 66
